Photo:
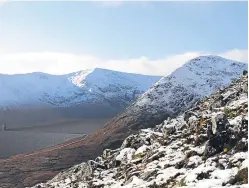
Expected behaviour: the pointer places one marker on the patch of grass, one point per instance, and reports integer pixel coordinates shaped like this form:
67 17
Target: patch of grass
242 176
175 184
203 122
139 156
230 113
182 183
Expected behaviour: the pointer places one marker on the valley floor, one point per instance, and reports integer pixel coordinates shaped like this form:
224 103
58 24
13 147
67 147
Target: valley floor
16 142
26 139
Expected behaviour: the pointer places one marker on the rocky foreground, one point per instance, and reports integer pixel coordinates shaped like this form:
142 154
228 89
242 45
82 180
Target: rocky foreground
206 146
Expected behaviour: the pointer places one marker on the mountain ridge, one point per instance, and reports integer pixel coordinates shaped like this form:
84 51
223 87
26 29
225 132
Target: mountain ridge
71 89
36 99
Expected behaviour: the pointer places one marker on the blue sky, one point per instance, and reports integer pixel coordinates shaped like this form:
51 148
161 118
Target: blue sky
124 30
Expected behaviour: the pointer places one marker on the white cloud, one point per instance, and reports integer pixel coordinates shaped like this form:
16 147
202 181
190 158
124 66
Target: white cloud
2 2
62 63
236 54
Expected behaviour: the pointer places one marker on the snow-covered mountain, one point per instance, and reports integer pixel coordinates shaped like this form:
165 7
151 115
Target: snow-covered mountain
197 78
175 93
89 86
205 147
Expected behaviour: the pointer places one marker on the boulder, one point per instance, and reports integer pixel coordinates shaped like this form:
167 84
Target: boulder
94 165
133 141
219 123
187 115
168 130
108 153
220 137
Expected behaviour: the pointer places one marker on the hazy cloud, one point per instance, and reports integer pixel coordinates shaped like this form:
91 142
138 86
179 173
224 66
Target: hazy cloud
236 54
62 63
2 2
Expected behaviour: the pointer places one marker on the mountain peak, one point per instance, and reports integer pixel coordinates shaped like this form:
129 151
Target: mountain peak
211 59
195 79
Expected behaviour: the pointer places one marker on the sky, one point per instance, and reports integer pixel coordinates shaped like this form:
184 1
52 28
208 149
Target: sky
140 37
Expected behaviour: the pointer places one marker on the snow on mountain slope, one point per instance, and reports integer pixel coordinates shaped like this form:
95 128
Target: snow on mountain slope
204 147
197 78
89 86
173 94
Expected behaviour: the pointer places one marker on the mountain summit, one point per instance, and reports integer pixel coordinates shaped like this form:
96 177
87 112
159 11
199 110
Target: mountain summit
197 78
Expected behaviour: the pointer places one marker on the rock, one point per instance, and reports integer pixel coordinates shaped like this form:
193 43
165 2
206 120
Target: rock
219 123
187 115
141 151
193 123
99 160
209 131
107 153
168 130
153 155
180 164
94 165
191 153
209 150
200 139
148 174
245 89
125 155
83 172
244 123
133 142
241 145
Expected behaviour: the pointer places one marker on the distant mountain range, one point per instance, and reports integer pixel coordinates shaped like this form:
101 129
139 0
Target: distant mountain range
89 86
169 97
94 93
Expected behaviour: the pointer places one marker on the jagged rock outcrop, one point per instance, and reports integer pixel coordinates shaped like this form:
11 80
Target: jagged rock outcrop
206 146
